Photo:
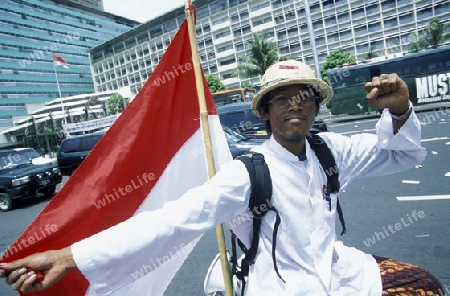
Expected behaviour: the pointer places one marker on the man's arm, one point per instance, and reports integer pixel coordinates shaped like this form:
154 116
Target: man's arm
390 91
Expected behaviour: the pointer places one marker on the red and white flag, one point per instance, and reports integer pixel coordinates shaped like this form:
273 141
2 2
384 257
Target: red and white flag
146 159
59 61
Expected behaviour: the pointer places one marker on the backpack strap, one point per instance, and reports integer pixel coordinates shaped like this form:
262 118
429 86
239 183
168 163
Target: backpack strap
259 205
328 164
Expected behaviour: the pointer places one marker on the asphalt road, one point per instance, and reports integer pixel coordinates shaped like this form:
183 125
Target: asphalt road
417 230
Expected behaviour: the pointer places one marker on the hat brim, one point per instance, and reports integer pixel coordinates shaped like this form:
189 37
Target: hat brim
324 90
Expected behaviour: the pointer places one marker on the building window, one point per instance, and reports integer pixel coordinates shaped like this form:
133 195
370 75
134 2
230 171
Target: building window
228 62
217 6
221 20
224 48
223 34
262 21
372 9
358 13
281 34
290 15
391 23
279 19
260 6
406 19
375 27
424 13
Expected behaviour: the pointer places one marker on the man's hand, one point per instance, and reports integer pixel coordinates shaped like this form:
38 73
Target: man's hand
388 91
22 274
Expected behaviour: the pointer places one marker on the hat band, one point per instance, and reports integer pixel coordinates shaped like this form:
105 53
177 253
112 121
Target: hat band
272 82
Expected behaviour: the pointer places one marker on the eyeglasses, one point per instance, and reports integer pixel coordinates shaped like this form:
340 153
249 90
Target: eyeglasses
283 101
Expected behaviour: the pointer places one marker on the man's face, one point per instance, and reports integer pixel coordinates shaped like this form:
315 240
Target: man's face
292 111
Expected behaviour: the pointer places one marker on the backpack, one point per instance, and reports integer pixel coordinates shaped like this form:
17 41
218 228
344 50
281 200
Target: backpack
261 194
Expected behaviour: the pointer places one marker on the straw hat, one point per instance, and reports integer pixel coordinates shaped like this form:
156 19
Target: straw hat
288 73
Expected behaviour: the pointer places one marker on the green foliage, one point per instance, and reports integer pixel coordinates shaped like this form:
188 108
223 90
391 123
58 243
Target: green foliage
247 84
434 35
261 54
335 59
328 104
93 101
214 83
285 58
371 54
116 103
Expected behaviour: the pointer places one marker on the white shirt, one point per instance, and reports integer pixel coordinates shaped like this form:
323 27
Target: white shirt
306 237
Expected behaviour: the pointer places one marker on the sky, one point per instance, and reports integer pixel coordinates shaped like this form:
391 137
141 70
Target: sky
140 10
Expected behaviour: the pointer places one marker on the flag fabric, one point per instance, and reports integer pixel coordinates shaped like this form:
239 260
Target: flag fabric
59 61
152 154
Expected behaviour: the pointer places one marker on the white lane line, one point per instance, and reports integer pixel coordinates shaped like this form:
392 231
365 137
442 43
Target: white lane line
358 132
422 197
411 182
435 139
447 174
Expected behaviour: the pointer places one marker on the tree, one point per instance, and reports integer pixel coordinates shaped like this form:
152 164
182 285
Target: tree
336 58
116 104
247 84
434 35
260 55
371 54
214 83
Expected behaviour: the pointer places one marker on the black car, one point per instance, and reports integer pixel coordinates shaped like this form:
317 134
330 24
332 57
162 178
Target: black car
74 150
319 126
239 143
240 117
20 178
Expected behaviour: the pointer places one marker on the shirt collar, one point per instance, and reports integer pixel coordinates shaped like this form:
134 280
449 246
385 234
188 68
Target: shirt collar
283 153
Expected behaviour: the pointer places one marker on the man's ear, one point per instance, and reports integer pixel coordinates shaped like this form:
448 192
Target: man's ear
264 115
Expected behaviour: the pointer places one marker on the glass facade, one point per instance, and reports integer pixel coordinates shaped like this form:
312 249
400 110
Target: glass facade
224 28
31 32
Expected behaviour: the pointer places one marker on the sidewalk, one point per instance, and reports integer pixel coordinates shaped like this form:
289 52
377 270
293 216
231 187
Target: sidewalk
329 118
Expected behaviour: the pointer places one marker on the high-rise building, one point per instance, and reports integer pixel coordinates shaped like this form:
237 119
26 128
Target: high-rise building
96 4
308 33
31 33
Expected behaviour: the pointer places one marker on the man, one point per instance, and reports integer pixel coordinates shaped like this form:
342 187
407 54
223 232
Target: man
308 259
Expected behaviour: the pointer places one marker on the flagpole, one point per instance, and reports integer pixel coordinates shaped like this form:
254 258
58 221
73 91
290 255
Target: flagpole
59 91
208 144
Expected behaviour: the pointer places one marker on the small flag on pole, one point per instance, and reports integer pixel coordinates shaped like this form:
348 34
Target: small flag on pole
59 61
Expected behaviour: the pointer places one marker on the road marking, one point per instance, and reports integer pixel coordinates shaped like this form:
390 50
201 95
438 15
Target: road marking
422 197
358 132
447 174
435 139
410 182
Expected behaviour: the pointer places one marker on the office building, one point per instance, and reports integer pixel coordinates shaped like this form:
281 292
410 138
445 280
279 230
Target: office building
96 4
31 32
224 28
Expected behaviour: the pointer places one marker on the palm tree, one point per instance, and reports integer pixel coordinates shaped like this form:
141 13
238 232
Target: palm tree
434 36
260 56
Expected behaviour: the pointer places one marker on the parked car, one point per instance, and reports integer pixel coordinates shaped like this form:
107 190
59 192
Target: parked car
318 126
240 117
20 178
239 143
74 150
35 157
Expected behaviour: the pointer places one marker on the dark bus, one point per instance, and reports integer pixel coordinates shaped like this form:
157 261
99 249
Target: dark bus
427 74
233 96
